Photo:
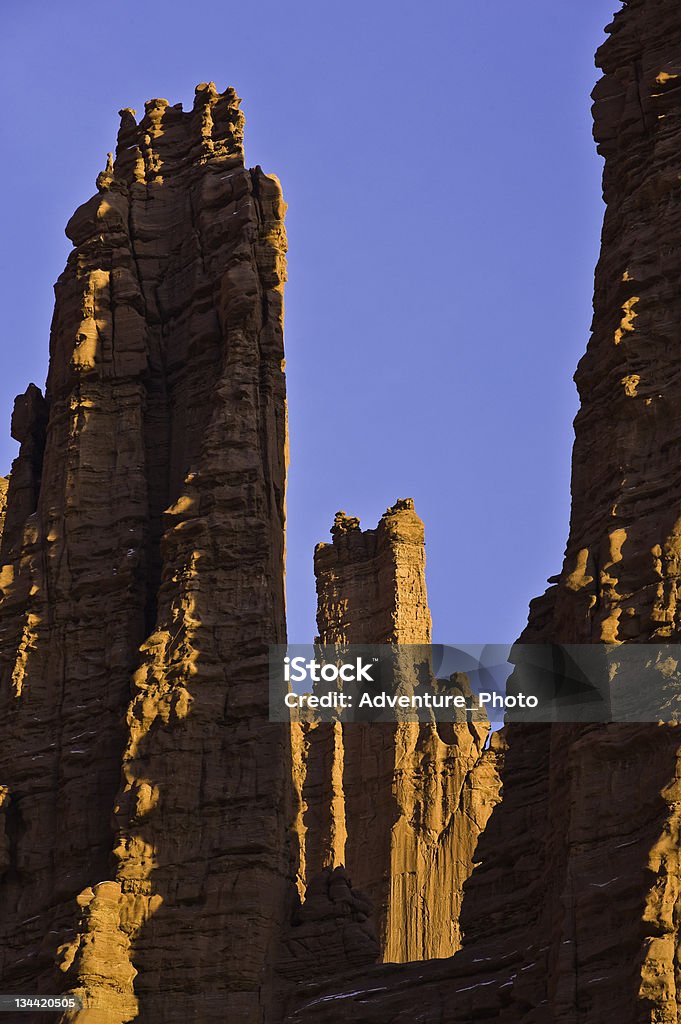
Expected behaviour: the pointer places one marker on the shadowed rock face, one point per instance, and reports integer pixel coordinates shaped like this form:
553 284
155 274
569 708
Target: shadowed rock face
143 580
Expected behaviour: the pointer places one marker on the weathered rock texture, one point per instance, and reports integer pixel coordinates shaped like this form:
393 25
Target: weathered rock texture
143 542
573 913
371 584
330 931
400 806
142 581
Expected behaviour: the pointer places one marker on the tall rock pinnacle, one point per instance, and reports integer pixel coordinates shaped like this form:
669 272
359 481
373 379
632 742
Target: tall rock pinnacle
400 806
142 582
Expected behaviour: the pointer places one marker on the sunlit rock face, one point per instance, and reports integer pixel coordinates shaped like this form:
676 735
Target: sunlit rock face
143 805
400 806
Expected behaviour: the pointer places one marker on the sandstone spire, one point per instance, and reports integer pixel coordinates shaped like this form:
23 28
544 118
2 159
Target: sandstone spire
400 806
143 581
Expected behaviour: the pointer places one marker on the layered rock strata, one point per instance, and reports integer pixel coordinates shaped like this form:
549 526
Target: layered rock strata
400 806
142 581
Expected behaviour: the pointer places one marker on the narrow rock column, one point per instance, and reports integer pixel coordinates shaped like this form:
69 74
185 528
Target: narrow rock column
393 803
143 582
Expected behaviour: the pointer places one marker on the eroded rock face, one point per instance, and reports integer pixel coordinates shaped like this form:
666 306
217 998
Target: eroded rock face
371 584
400 806
331 930
143 580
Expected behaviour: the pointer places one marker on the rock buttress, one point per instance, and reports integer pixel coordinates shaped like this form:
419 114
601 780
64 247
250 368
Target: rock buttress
400 806
143 581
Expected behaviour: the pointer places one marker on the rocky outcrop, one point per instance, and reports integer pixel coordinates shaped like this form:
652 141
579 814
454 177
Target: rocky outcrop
142 582
401 806
20 499
329 931
371 584
4 485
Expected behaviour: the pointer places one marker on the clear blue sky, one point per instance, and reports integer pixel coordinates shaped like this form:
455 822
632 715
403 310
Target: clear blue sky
444 215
